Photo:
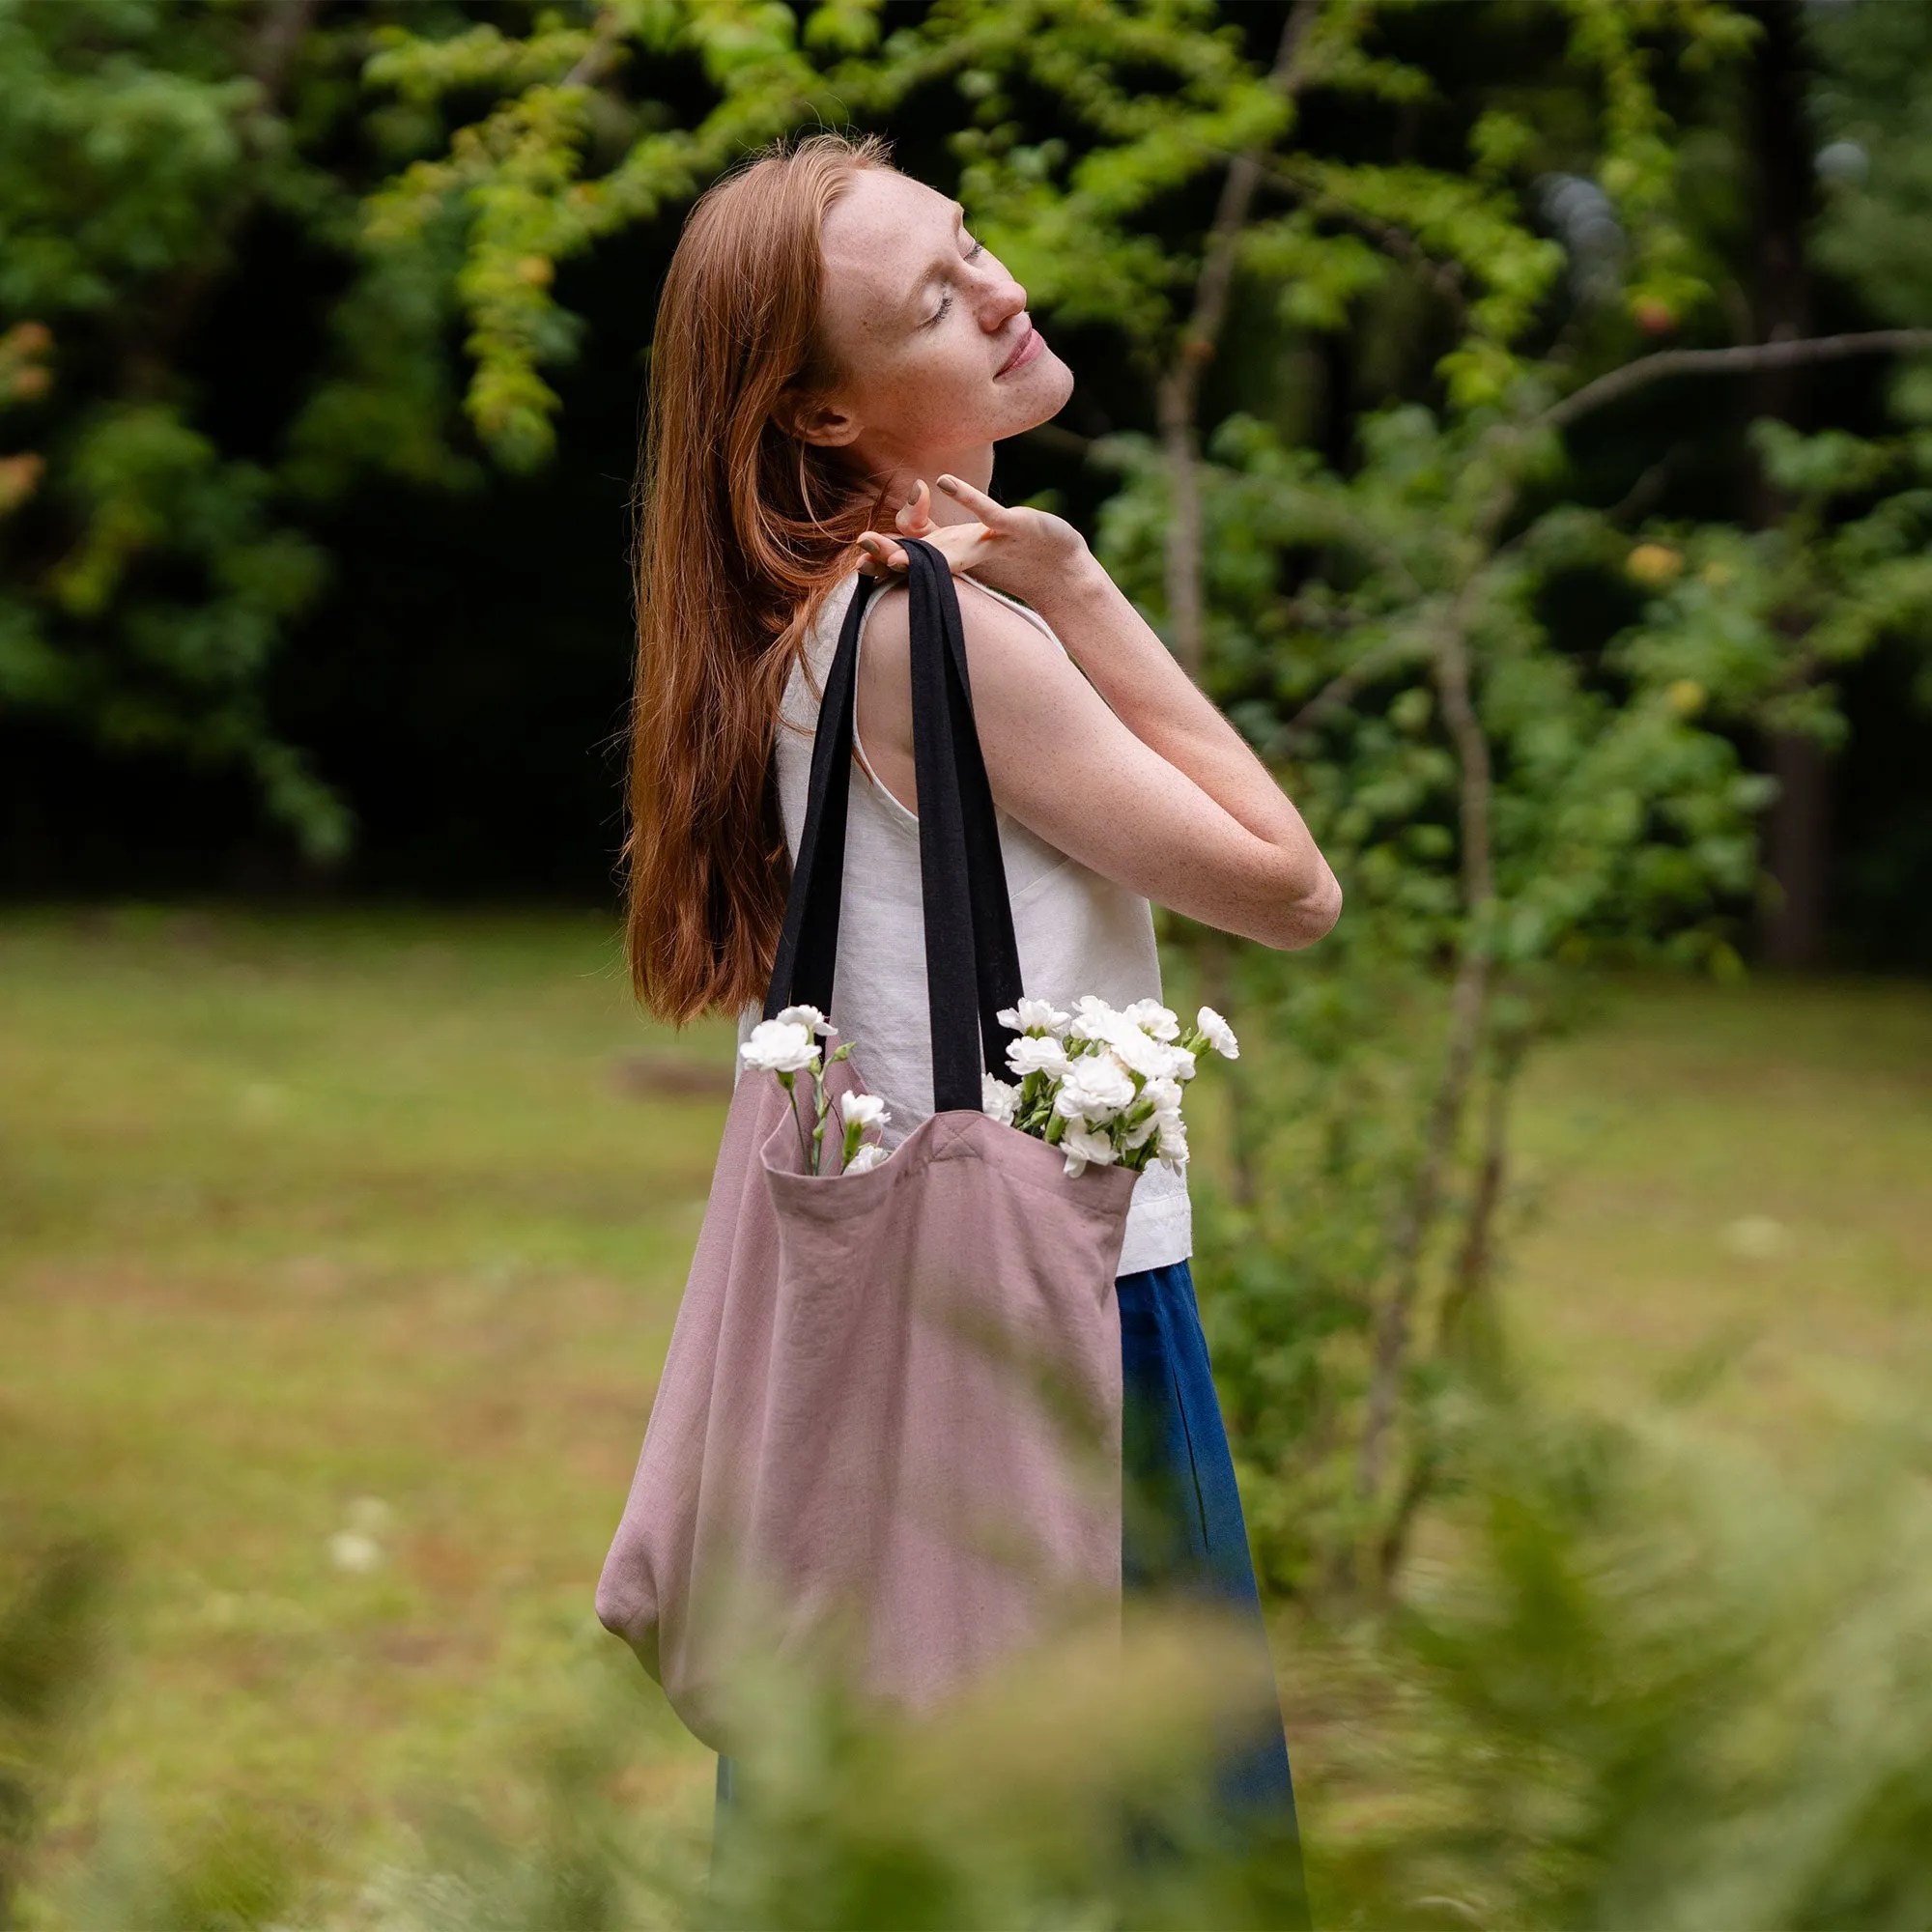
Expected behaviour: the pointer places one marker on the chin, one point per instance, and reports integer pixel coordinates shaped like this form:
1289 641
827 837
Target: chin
1039 395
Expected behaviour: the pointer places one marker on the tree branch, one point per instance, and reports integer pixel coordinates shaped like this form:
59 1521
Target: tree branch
1742 360
1179 392
1055 436
284 23
1468 1011
601 55
1340 689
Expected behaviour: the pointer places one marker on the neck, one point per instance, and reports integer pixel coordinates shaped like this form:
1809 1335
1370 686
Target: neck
899 474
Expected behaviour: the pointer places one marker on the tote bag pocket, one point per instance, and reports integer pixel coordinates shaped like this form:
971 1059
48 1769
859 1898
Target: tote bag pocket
887 1436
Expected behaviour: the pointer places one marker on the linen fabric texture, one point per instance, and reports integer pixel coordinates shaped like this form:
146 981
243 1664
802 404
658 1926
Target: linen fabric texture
1182 1536
886 1440
1077 931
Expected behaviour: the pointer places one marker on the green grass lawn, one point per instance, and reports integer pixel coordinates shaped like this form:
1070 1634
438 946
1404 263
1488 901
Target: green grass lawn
338 1226
1734 1181
372 1228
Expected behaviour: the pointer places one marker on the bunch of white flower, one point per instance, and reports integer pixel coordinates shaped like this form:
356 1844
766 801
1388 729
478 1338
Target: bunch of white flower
788 1046
1104 1085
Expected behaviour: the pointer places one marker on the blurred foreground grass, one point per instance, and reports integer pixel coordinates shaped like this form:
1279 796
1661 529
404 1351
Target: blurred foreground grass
337 1255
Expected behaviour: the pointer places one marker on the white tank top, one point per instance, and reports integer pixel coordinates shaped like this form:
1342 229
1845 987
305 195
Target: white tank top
1077 932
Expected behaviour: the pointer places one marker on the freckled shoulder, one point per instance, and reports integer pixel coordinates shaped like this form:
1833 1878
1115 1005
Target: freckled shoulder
1005 642
1001 639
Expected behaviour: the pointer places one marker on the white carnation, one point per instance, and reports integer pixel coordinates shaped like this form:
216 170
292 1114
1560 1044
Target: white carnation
1082 1146
999 1099
809 1017
1141 1053
866 1159
1095 1089
1173 1148
863 1110
1094 1018
1165 1094
780 1046
1034 1016
1151 1017
1029 1055
1220 1034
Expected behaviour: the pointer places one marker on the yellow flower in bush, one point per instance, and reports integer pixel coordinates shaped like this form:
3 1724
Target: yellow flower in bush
1655 564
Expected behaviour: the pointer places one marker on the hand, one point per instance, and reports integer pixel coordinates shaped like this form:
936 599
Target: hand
1025 553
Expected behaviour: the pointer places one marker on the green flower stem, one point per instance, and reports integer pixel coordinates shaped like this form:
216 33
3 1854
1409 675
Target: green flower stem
790 1085
823 1106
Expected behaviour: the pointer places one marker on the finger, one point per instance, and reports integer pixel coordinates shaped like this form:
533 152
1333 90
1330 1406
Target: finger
884 552
989 512
914 516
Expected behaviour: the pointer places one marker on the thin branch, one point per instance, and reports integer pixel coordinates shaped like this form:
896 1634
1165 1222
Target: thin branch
1468 1008
1475 1266
1475 1260
284 23
1340 690
1639 500
601 55
1741 361
1177 394
1416 1488
1054 436
1214 289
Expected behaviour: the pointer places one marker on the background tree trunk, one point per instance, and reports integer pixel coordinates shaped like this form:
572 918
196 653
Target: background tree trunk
1796 828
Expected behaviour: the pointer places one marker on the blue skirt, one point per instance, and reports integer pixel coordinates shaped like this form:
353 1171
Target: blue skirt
1181 1530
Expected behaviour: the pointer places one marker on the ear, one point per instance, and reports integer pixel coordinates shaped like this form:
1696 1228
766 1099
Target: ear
815 419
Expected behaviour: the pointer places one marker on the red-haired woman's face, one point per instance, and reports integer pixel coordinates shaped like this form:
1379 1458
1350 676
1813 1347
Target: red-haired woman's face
930 334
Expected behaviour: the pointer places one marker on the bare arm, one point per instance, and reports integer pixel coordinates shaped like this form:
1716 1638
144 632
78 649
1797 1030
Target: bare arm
1163 706
1135 774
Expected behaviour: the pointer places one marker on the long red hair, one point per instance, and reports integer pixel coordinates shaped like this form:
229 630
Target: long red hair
742 531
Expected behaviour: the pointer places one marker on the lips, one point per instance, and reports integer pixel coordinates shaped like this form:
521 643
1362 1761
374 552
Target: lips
1024 351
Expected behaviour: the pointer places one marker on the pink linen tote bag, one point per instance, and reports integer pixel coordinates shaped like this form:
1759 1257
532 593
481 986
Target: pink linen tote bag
887 1434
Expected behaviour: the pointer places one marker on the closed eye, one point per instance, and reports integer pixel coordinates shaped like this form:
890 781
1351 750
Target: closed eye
940 314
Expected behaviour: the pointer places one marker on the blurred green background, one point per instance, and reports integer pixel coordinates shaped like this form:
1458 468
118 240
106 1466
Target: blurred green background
1519 416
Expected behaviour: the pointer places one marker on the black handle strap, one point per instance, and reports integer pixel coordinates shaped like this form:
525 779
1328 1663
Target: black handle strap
972 957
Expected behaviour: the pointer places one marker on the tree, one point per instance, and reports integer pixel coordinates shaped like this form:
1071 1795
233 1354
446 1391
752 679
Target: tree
1500 807
149 569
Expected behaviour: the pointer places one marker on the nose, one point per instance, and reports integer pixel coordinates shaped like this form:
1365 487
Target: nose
1004 300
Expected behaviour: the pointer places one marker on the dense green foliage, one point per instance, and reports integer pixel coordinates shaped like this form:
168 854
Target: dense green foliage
338 193
149 576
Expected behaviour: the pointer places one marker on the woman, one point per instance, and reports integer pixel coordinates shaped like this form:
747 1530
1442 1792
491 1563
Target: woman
834 359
